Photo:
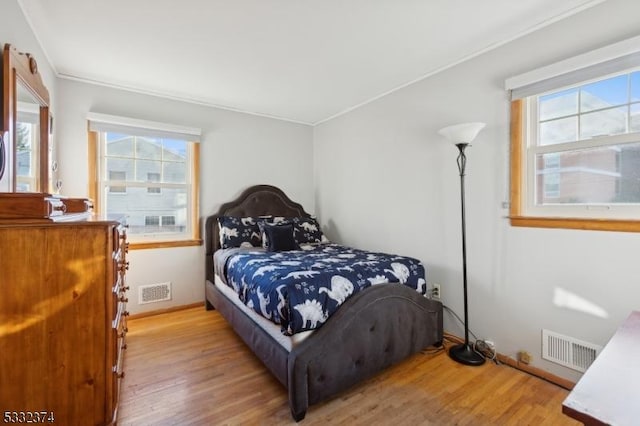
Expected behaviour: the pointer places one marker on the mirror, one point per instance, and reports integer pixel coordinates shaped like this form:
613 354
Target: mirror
27 141
3 157
25 111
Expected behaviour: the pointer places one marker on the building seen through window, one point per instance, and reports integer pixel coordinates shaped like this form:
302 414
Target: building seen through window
146 179
584 147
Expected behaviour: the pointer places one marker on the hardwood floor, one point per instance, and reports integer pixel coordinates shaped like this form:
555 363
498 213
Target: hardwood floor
189 368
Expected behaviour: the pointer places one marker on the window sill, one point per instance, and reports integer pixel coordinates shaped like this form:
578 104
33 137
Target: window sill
616 225
164 244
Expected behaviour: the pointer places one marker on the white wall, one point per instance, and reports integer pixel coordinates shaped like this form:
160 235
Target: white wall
16 31
237 150
385 180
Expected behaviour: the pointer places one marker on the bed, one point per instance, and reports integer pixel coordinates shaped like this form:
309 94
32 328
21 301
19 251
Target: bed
371 330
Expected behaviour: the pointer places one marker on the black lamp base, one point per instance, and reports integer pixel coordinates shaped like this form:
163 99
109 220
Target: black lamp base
464 354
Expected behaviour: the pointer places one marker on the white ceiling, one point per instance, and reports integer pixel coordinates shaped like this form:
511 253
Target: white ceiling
300 60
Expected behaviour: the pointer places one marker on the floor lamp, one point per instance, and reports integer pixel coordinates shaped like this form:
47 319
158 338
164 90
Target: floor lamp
462 135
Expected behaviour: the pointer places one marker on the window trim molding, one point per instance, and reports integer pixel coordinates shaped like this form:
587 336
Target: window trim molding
144 245
104 122
516 211
594 58
194 239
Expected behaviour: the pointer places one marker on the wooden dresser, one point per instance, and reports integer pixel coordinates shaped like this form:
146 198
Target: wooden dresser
62 319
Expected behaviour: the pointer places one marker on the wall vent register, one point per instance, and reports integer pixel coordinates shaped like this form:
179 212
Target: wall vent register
154 293
568 351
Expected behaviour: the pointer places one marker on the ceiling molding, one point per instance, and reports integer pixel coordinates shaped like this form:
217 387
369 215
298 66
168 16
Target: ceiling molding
175 97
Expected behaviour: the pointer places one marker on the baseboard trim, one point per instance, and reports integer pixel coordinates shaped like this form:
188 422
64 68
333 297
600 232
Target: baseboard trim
534 371
166 310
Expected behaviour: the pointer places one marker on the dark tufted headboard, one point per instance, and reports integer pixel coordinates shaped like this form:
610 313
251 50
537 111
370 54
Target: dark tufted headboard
258 200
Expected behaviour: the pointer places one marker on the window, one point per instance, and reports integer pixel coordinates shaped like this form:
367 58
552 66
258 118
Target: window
115 176
148 176
586 128
575 149
168 221
151 221
27 155
160 221
551 176
153 177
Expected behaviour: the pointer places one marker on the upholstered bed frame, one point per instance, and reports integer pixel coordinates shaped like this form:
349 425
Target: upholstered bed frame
372 330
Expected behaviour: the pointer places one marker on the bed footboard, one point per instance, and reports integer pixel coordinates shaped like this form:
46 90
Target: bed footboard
383 325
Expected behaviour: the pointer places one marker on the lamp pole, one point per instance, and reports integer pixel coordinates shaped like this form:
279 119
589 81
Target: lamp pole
462 164
464 353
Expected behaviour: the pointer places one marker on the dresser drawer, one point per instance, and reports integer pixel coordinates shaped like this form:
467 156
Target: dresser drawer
121 314
29 205
119 342
121 345
118 366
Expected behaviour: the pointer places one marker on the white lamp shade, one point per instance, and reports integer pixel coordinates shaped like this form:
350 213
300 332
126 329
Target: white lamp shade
462 133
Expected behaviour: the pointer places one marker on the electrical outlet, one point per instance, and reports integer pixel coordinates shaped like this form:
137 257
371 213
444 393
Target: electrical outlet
524 357
435 291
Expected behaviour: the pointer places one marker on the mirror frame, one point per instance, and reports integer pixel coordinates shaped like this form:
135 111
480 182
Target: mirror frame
22 68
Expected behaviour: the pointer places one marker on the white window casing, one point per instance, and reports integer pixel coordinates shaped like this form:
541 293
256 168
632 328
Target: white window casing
142 185
619 59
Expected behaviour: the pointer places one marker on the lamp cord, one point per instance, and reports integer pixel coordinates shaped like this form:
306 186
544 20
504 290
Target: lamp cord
480 346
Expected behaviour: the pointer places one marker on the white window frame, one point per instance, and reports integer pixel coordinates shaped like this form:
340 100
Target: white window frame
620 57
99 124
104 185
532 150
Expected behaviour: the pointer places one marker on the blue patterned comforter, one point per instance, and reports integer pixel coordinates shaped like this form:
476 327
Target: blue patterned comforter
300 289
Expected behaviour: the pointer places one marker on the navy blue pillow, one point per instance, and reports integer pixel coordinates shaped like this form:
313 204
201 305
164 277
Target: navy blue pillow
306 230
279 237
239 231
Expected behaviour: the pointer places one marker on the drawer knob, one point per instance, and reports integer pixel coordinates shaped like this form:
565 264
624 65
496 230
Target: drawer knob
125 330
124 346
120 375
124 288
124 299
125 314
121 335
61 208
